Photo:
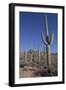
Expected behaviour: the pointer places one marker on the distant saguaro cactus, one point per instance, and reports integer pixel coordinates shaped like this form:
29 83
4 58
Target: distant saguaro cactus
24 56
31 55
47 42
39 56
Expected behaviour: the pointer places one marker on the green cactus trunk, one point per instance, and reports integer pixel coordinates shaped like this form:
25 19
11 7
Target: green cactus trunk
48 56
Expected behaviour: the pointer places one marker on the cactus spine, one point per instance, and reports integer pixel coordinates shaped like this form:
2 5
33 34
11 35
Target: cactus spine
47 42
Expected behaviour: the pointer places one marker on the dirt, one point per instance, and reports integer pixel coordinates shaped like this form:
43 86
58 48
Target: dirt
35 71
27 72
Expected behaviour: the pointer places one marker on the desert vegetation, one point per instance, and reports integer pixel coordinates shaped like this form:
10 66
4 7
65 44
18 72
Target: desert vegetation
31 66
39 63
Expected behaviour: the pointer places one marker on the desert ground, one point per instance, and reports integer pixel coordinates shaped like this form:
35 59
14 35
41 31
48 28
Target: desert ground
32 66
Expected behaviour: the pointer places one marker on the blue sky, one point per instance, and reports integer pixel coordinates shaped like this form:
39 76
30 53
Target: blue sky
31 26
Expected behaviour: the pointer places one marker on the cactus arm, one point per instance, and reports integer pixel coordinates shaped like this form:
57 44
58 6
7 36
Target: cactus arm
51 37
43 39
46 26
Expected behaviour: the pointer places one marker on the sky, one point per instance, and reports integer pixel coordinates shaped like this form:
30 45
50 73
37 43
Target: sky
31 26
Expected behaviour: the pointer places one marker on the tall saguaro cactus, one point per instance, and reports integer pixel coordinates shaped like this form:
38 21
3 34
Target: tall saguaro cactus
47 42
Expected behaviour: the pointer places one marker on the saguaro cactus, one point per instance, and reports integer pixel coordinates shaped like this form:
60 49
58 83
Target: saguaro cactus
24 56
31 55
39 56
47 41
